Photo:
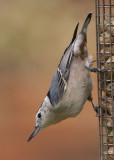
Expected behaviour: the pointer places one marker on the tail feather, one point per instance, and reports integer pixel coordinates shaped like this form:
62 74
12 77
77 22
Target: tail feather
75 33
87 21
73 38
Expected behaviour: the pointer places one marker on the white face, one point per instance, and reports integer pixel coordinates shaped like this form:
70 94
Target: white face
38 124
43 117
38 119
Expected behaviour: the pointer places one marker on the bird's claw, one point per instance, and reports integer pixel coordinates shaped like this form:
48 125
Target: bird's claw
96 108
96 70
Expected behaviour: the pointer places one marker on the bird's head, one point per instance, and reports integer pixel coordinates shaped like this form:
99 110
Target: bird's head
43 118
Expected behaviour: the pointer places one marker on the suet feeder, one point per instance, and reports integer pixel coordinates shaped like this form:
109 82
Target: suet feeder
105 61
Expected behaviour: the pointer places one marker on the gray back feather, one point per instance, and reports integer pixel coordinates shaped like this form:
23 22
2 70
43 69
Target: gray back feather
59 81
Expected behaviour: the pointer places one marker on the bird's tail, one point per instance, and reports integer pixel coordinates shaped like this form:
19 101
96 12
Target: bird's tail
75 33
87 21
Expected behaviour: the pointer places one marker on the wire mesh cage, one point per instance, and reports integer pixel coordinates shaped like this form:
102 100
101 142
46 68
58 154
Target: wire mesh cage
105 61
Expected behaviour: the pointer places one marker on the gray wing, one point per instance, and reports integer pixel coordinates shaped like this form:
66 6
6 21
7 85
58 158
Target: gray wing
59 81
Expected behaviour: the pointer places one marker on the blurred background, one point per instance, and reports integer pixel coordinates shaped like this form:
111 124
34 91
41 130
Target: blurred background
33 37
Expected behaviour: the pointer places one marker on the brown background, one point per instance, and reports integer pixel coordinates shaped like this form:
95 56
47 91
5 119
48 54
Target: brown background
33 36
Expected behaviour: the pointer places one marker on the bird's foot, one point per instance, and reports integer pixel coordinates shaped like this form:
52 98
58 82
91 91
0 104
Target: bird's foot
96 70
96 109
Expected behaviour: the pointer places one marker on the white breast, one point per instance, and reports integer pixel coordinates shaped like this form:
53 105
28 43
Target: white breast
78 88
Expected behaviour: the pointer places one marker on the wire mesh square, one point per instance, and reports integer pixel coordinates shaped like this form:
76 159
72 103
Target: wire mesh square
105 61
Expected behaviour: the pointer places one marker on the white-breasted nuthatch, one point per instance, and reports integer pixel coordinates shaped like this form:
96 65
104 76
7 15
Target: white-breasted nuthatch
71 85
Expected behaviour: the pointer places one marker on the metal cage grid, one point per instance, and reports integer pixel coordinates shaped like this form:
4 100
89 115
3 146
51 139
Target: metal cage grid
105 61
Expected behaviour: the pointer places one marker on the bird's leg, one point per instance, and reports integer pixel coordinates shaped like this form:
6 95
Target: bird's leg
96 70
96 108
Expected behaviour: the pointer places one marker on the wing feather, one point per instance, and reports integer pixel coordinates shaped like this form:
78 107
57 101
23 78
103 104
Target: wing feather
59 82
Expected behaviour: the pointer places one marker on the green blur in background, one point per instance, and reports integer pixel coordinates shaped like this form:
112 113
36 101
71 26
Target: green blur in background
33 37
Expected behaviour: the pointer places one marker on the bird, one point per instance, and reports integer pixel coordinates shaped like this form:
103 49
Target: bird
71 85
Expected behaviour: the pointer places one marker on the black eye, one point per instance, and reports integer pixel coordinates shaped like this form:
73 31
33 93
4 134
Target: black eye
39 115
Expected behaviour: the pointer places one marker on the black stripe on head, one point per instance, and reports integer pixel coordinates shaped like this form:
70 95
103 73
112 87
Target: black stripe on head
49 96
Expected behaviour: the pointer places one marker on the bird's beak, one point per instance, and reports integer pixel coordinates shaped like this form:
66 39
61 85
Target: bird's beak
34 133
